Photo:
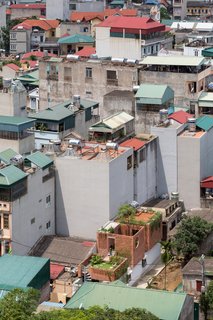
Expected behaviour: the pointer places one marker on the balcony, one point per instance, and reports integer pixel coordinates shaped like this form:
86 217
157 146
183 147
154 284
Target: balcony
5 234
112 82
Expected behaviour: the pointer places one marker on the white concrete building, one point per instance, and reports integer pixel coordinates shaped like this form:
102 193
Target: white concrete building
92 182
145 167
57 9
130 37
13 98
27 200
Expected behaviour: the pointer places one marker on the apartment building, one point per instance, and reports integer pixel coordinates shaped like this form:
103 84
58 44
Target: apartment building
91 79
25 182
130 37
194 73
28 35
179 9
92 181
13 98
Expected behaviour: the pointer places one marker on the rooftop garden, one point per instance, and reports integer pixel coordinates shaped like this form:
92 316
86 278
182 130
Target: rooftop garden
98 262
129 215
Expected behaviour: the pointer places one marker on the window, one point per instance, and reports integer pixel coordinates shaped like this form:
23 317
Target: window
88 72
198 285
72 6
48 200
6 221
53 33
13 35
112 77
142 155
67 74
13 47
32 221
48 225
129 162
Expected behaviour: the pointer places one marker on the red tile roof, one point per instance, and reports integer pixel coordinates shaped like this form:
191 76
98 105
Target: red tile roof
28 6
12 66
207 182
8 11
134 143
55 270
43 24
37 54
33 64
180 116
130 23
86 52
87 16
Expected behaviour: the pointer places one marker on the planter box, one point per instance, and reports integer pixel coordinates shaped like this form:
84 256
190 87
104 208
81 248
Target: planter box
108 274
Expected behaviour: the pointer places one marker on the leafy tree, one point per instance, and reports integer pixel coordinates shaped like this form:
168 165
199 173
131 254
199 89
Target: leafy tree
96 313
206 300
190 234
164 14
166 256
19 304
126 212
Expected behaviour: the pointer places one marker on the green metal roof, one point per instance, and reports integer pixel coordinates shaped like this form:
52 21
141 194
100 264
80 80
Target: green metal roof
7 154
61 111
165 305
208 52
205 123
15 124
31 76
206 99
21 271
173 61
39 159
76 38
10 175
154 94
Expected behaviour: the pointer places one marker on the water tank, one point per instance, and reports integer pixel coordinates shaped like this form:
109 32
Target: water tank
175 196
192 124
77 100
118 60
163 115
72 57
75 142
7 83
112 145
17 159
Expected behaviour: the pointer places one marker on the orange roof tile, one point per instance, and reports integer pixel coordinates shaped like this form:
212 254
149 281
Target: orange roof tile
43 24
86 52
12 66
134 143
38 54
28 6
86 16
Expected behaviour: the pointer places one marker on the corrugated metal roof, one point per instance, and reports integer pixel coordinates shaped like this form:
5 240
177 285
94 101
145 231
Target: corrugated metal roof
206 99
182 25
205 123
207 182
117 120
7 154
134 143
180 116
39 159
20 271
10 175
55 270
76 38
173 61
121 298
61 111
154 93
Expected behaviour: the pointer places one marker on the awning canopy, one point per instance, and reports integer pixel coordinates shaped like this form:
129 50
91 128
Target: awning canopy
55 270
207 183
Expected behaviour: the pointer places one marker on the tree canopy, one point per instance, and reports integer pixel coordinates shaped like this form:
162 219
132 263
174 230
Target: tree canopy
21 305
206 300
190 234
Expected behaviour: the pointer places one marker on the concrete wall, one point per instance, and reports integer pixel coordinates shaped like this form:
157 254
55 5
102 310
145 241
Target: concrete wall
22 41
2 15
89 88
25 145
181 88
33 205
73 28
24 13
89 193
13 103
118 101
167 158
89 6
189 170
57 9
146 174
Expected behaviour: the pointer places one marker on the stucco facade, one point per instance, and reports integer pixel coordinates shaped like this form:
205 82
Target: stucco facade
89 192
